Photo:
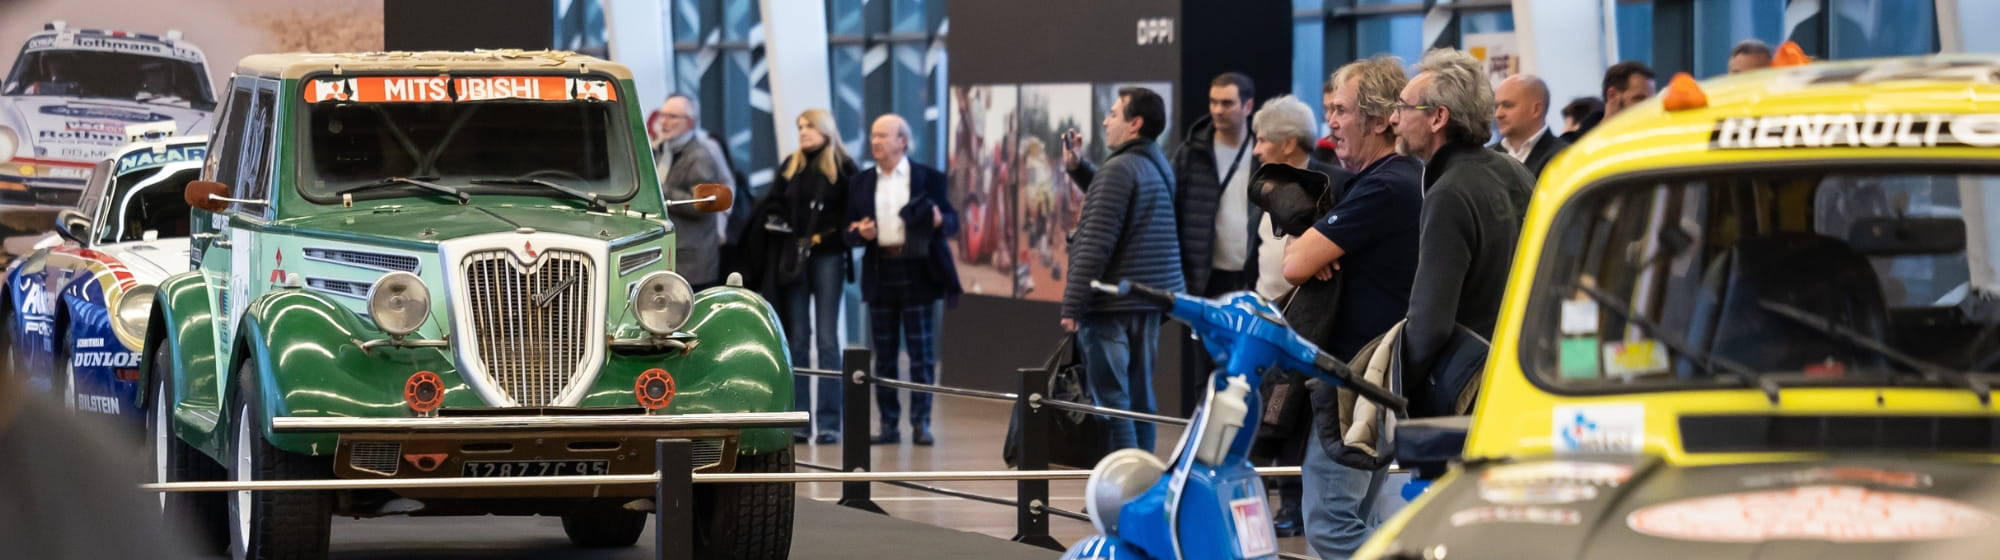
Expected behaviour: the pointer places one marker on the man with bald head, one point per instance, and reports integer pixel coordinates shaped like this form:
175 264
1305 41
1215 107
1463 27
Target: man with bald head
898 212
1522 111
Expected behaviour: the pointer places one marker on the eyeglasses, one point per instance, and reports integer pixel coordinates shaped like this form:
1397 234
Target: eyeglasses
1400 107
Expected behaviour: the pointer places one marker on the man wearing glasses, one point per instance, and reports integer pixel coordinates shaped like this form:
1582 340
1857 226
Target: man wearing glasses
684 157
1473 202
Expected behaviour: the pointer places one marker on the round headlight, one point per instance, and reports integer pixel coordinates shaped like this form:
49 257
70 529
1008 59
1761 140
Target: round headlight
399 302
128 321
1119 477
663 300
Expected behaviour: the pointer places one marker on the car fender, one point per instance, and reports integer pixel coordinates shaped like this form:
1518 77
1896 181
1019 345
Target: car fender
739 364
106 370
183 326
305 350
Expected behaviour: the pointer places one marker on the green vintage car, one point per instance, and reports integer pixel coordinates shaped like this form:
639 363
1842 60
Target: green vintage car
421 266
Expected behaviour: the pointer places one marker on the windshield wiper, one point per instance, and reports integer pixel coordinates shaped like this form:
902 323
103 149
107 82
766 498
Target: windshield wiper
422 182
1742 373
573 192
1824 326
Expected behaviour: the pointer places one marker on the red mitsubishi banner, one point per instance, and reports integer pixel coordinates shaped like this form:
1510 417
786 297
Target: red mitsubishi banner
447 89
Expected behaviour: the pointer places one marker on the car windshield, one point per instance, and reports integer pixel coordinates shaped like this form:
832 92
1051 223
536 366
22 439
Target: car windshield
583 145
112 75
1728 277
148 200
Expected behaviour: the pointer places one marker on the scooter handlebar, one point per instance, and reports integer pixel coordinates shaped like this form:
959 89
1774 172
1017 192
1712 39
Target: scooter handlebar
1382 396
1163 298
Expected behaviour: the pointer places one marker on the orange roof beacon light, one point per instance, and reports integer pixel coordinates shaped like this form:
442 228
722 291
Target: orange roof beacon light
655 389
1789 54
424 392
1683 93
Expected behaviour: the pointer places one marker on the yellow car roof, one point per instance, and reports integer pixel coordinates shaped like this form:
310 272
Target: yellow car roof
1649 137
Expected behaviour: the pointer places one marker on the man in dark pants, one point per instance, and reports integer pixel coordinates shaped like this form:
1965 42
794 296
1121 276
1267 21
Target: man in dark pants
1212 210
1522 112
1126 232
899 213
1473 202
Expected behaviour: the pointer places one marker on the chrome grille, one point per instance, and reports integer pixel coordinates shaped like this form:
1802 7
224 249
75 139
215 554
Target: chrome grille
634 261
379 457
378 261
707 453
342 287
529 349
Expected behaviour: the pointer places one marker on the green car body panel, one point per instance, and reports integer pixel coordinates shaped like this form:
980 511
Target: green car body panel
303 323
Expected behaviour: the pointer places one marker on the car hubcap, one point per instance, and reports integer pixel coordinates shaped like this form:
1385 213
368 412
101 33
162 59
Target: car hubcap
239 502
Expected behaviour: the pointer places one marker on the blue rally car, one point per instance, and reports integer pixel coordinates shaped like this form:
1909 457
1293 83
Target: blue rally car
76 307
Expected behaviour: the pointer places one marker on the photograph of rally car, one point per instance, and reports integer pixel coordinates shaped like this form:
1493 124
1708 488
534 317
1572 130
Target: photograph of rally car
76 307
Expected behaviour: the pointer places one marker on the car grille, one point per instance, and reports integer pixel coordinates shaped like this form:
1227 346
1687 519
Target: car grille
529 322
379 457
364 259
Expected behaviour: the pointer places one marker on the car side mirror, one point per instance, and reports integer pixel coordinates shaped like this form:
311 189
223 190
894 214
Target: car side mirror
206 195
711 197
73 225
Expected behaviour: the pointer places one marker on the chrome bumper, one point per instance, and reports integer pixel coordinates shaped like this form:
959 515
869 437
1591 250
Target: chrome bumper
476 424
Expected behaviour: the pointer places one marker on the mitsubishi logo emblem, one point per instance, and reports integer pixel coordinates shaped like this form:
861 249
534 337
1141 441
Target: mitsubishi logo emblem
549 295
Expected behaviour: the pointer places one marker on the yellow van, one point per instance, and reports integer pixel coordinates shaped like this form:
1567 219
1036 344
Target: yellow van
1755 317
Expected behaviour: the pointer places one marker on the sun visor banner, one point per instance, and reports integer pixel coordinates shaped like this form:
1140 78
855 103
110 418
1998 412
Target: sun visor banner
446 89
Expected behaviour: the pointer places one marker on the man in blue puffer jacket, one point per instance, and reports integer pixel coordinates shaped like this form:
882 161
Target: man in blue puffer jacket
1126 232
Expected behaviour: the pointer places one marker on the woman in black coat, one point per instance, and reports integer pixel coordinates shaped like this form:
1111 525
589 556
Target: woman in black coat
802 221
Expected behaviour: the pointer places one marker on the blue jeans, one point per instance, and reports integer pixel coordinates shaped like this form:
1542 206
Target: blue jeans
816 296
1339 503
1118 357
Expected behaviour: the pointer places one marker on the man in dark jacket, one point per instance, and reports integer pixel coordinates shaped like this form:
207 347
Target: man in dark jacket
684 157
1625 84
1473 202
1522 111
1212 211
1126 232
899 213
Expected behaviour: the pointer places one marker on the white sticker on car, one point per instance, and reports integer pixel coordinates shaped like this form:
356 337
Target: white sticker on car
1619 428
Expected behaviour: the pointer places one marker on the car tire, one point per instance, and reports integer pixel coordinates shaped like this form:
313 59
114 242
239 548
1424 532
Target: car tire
749 521
601 526
290 525
204 514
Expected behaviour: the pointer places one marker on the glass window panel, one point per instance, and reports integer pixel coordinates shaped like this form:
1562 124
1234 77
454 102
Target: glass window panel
1721 24
1400 35
1873 28
1635 32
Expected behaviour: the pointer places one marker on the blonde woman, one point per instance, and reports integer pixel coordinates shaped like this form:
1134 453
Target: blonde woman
805 215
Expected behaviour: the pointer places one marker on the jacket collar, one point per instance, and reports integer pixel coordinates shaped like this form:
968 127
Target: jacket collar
1442 159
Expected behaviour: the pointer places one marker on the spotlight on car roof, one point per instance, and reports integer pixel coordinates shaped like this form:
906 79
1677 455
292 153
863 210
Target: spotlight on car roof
57 25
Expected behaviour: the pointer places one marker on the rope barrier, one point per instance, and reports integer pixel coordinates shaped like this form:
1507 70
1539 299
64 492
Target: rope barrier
623 479
943 390
1059 512
1113 412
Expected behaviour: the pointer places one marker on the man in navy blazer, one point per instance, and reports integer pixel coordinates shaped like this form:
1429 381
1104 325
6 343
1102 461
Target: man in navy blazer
899 213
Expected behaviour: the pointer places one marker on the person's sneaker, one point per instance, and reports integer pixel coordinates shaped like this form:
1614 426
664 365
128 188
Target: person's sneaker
827 438
889 438
1287 523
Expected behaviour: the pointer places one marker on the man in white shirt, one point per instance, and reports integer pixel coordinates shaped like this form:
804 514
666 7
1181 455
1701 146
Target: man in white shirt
899 213
1522 111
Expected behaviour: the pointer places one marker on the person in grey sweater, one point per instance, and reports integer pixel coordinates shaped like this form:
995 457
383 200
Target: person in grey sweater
684 157
1127 232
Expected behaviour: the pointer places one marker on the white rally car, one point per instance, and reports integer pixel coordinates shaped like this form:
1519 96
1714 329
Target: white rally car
72 93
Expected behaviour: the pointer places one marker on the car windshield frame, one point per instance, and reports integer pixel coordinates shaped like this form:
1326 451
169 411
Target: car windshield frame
196 72
1539 336
119 192
623 165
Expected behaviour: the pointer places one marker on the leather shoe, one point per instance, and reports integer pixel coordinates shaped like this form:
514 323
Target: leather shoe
924 439
827 438
889 438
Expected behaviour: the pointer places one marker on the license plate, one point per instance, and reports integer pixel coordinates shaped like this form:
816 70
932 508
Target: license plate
481 469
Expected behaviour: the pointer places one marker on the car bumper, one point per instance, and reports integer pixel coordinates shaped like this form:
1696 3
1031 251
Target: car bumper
454 447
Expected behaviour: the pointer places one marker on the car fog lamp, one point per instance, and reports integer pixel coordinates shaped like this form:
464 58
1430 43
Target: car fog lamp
662 301
655 389
129 319
399 302
424 392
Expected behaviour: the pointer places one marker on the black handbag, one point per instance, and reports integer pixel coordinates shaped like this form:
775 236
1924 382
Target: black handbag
1075 439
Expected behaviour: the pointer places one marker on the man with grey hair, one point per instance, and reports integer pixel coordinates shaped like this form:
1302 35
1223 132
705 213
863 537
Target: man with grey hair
1523 115
1371 237
1473 202
684 157
1751 54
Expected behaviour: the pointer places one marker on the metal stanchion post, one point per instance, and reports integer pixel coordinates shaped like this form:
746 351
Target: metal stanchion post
1031 523
673 500
854 440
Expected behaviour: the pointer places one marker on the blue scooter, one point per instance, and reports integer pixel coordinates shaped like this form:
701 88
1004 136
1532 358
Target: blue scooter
1209 503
